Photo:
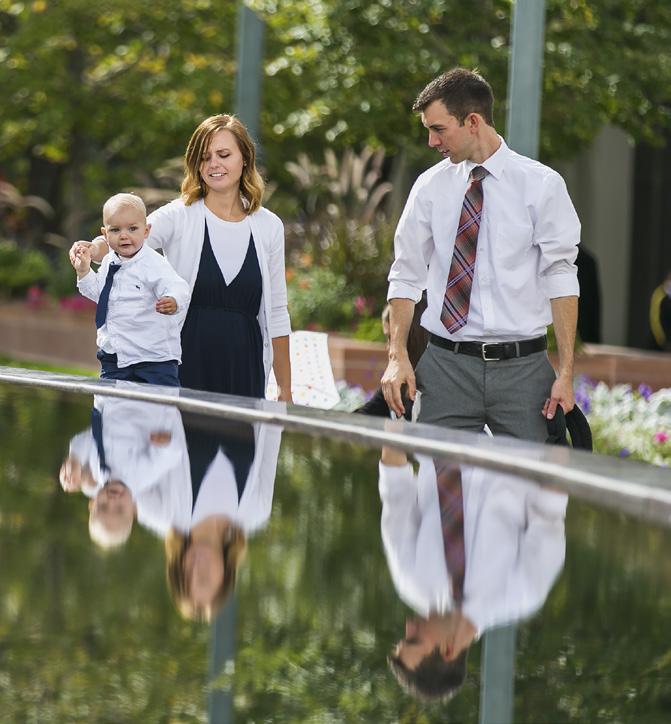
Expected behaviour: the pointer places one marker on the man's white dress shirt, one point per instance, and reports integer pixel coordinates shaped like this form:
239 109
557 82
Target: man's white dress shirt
514 542
134 330
526 251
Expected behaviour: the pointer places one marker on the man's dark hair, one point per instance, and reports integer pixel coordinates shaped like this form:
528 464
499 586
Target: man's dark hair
461 91
434 679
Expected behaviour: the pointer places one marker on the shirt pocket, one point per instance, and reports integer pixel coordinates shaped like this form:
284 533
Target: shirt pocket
129 291
513 245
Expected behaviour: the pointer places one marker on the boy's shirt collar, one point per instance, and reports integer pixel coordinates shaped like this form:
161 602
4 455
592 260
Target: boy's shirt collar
123 260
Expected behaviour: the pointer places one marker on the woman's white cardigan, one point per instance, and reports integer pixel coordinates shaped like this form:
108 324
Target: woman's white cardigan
179 230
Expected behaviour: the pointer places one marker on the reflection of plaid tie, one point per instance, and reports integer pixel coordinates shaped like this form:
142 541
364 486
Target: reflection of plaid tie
448 481
460 278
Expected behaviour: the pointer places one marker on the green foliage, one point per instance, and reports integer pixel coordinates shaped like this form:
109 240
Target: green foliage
370 330
20 269
340 244
344 72
101 90
320 299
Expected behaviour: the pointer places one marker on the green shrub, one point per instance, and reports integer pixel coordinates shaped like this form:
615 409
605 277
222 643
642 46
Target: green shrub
21 269
319 299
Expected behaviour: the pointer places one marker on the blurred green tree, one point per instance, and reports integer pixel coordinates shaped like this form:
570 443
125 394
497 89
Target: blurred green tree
94 91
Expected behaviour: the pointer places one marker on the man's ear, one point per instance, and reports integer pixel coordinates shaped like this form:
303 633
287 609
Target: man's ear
473 122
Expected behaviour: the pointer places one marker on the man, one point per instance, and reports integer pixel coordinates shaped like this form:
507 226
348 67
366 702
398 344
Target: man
493 237
468 550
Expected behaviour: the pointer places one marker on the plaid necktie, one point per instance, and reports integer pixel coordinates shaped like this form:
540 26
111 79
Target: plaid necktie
460 278
450 499
103 299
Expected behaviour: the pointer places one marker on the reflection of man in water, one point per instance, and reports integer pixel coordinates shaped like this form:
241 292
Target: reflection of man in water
512 551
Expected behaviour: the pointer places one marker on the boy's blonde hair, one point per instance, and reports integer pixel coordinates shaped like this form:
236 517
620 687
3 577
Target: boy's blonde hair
106 538
118 201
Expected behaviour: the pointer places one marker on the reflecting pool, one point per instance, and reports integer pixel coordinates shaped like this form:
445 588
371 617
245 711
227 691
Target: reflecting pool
159 566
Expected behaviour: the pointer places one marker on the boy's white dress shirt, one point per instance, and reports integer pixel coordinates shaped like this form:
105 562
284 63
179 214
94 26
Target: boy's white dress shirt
134 330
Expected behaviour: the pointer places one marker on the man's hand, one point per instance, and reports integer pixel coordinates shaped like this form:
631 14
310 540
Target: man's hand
166 305
399 372
560 394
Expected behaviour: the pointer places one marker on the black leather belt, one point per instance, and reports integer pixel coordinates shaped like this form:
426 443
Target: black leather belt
495 351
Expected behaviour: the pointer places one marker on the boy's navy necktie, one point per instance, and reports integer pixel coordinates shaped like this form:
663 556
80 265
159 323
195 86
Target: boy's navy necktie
97 431
101 309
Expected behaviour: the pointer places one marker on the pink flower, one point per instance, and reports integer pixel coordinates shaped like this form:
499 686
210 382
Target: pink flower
360 304
661 436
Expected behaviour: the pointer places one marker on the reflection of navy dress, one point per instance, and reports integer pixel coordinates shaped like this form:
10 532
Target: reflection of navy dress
222 346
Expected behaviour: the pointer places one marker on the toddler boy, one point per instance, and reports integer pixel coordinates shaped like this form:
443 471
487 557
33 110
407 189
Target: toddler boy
133 286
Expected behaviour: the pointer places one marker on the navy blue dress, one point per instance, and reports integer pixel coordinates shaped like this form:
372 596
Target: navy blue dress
222 345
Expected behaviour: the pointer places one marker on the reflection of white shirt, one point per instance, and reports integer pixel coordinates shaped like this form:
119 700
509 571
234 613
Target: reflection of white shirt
134 330
514 542
527 246
218 492
130 454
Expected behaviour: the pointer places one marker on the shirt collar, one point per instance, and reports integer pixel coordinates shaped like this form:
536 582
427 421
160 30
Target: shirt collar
495 163
116 259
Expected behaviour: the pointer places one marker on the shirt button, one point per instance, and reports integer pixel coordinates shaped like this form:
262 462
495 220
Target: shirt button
265 344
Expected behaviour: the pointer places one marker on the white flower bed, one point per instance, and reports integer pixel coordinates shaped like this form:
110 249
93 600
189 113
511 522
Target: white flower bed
628 423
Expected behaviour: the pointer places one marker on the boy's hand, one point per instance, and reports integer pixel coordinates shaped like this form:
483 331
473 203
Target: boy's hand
166 305
76 247
82 262
74 476
160 438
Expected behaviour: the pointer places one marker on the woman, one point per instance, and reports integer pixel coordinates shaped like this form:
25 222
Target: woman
225 496
230 250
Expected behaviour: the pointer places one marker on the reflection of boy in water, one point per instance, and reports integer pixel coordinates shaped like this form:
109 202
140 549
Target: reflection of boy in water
111 515
121 462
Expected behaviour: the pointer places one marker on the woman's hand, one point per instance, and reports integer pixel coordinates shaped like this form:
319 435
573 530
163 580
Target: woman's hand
98 248
284 394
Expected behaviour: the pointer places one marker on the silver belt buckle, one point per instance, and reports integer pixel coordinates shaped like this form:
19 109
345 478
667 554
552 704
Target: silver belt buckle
484 353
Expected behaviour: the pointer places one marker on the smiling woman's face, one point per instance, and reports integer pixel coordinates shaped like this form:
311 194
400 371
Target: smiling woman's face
204 573
222 162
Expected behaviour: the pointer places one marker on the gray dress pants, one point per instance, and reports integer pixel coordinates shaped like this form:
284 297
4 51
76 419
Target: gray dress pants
465 392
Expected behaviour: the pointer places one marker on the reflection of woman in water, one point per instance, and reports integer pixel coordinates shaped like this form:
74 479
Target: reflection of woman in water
232 475
202 565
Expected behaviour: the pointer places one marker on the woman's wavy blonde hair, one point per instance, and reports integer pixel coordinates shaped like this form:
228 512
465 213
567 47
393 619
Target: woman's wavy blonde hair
233 547
251 183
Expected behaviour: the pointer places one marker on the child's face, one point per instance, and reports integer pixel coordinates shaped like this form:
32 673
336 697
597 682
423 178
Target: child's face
125 230
113 508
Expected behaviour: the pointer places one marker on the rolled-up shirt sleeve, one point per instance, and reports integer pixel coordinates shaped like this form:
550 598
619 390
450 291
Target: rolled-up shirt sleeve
413 247
557 234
